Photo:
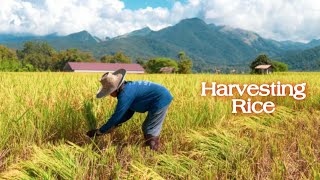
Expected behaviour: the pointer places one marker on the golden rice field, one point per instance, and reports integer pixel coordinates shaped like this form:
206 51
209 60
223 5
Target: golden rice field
44 118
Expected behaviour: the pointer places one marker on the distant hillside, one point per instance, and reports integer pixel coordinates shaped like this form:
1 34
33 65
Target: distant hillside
201 42
82 40
141 32
306 60
256 43
16 41
207 44
313 43
136 47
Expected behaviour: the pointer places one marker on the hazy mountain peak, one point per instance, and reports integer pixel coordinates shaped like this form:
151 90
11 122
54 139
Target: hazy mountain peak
246 36
140 32
213 26
193 21
143 29
314 42
81 33
97 39
83 36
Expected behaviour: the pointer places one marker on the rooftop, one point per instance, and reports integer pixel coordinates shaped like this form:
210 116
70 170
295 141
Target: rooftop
104 66
263 66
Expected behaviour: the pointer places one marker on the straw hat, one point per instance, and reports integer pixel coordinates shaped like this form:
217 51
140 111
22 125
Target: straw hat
111 82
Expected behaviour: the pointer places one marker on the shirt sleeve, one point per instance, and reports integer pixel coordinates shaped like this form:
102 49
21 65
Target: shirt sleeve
124 102
126 116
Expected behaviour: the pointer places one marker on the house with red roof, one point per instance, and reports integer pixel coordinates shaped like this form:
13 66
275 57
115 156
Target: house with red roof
102 67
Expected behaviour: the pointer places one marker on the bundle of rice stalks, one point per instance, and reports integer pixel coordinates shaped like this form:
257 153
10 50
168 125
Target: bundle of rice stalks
140 171
177 166
89 115
55 162
220 151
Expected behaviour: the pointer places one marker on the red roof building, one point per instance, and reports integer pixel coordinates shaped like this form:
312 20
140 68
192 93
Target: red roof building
102 67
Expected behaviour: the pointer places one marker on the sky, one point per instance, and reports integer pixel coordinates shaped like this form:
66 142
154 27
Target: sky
138 4
297 20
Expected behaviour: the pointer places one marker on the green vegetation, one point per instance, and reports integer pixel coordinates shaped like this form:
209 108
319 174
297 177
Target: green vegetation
9 61
39 56
263 59
154 65
71 55
118 57
184 64
6 53
44 117
279 66
306 60
43 57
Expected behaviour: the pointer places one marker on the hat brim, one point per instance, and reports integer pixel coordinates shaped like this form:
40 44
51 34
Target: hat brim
105 92
123 72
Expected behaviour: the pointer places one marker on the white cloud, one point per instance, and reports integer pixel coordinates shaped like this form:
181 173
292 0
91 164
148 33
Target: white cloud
278 19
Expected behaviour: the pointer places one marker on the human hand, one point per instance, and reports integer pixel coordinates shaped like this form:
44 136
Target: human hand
94 132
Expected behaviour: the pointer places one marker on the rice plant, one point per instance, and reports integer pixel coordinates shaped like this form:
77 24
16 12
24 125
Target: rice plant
44 118
89 115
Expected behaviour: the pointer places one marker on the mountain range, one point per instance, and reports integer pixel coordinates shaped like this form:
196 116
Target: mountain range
208 45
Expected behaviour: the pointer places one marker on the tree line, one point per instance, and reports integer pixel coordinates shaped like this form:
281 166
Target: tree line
40 56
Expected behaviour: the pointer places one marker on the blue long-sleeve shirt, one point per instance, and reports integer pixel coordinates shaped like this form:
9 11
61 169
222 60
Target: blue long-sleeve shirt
137 96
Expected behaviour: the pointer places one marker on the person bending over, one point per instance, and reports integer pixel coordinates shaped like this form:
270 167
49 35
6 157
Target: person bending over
135 96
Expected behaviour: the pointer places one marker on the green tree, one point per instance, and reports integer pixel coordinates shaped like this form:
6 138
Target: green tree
39 54
142 62
39 61
154 65
107 59
7 54
184 64
279 66
262 59
10 65
71 55
9 60
118 57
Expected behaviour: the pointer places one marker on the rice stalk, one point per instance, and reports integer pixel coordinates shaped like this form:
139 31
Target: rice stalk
89 115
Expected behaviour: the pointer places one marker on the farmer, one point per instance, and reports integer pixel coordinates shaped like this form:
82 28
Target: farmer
135 96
